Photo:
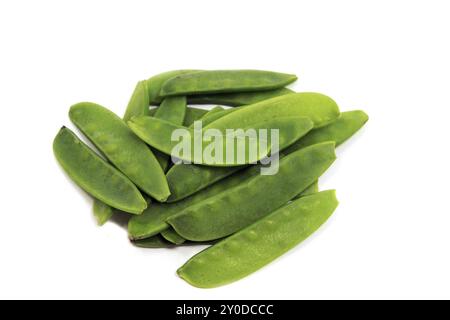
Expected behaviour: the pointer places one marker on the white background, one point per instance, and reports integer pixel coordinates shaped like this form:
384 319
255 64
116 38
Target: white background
389 238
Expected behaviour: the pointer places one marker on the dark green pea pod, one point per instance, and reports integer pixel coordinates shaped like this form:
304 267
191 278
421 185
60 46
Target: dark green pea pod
238 207
173 237
313 188
260 243
238 98
153 242
290 130
220 81
102 212
173 110
122 148
96 176
155 83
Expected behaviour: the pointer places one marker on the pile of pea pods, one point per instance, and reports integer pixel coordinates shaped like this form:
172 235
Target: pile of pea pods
248 219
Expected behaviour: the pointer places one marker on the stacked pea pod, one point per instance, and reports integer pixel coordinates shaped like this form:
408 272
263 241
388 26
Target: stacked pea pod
249 218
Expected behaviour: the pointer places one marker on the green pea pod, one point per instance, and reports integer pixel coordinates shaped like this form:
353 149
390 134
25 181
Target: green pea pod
173 237
102 212
193 114
219 81
154 84
260 243
173 110
313 188
290 130
238 207
338 131
153 242
122 148
185 180
153 220
210 116
95 175
138 104
238 98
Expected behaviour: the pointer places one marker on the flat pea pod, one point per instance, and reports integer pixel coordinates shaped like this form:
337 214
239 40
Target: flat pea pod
173 110
210 116
238 98
321 109
154 84
260 243
153 242
238 207
193 114
207 119
138 104
218 81
102 212
185 180
118 143
313 188
173 237
153 220
338 131
289 129
95 175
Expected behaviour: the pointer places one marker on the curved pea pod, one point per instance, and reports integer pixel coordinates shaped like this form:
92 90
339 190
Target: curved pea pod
338 131
153 220
154 84
95 175
122 148
254 198
207 119
102 212
173 110
238 98
257 146
138 104
260 243
210 116
218 81
321 109
153 242
173 237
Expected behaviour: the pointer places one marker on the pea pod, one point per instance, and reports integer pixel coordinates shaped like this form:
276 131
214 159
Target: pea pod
313 188
154 84
210 116
238 207
118 143
260 243
173 110
173 237
218 81
153 242
290 130
138 104
102 212
193 114
238 98
95 175
187 179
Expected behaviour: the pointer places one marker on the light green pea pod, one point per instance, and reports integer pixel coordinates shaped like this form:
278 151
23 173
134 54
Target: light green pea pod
154 84
102 212
122 148
238 98
260 243
173 237
256 147
219 81
137 106
210 116
192 114
96 176
173 110
238 207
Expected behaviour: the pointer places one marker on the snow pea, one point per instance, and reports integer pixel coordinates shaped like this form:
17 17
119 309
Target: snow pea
238 98
173 237
153 242
210 116
260 243
173 110
313 188
290 130
219 81
193 114
96 176
238 207
118 143
138 104
154 84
